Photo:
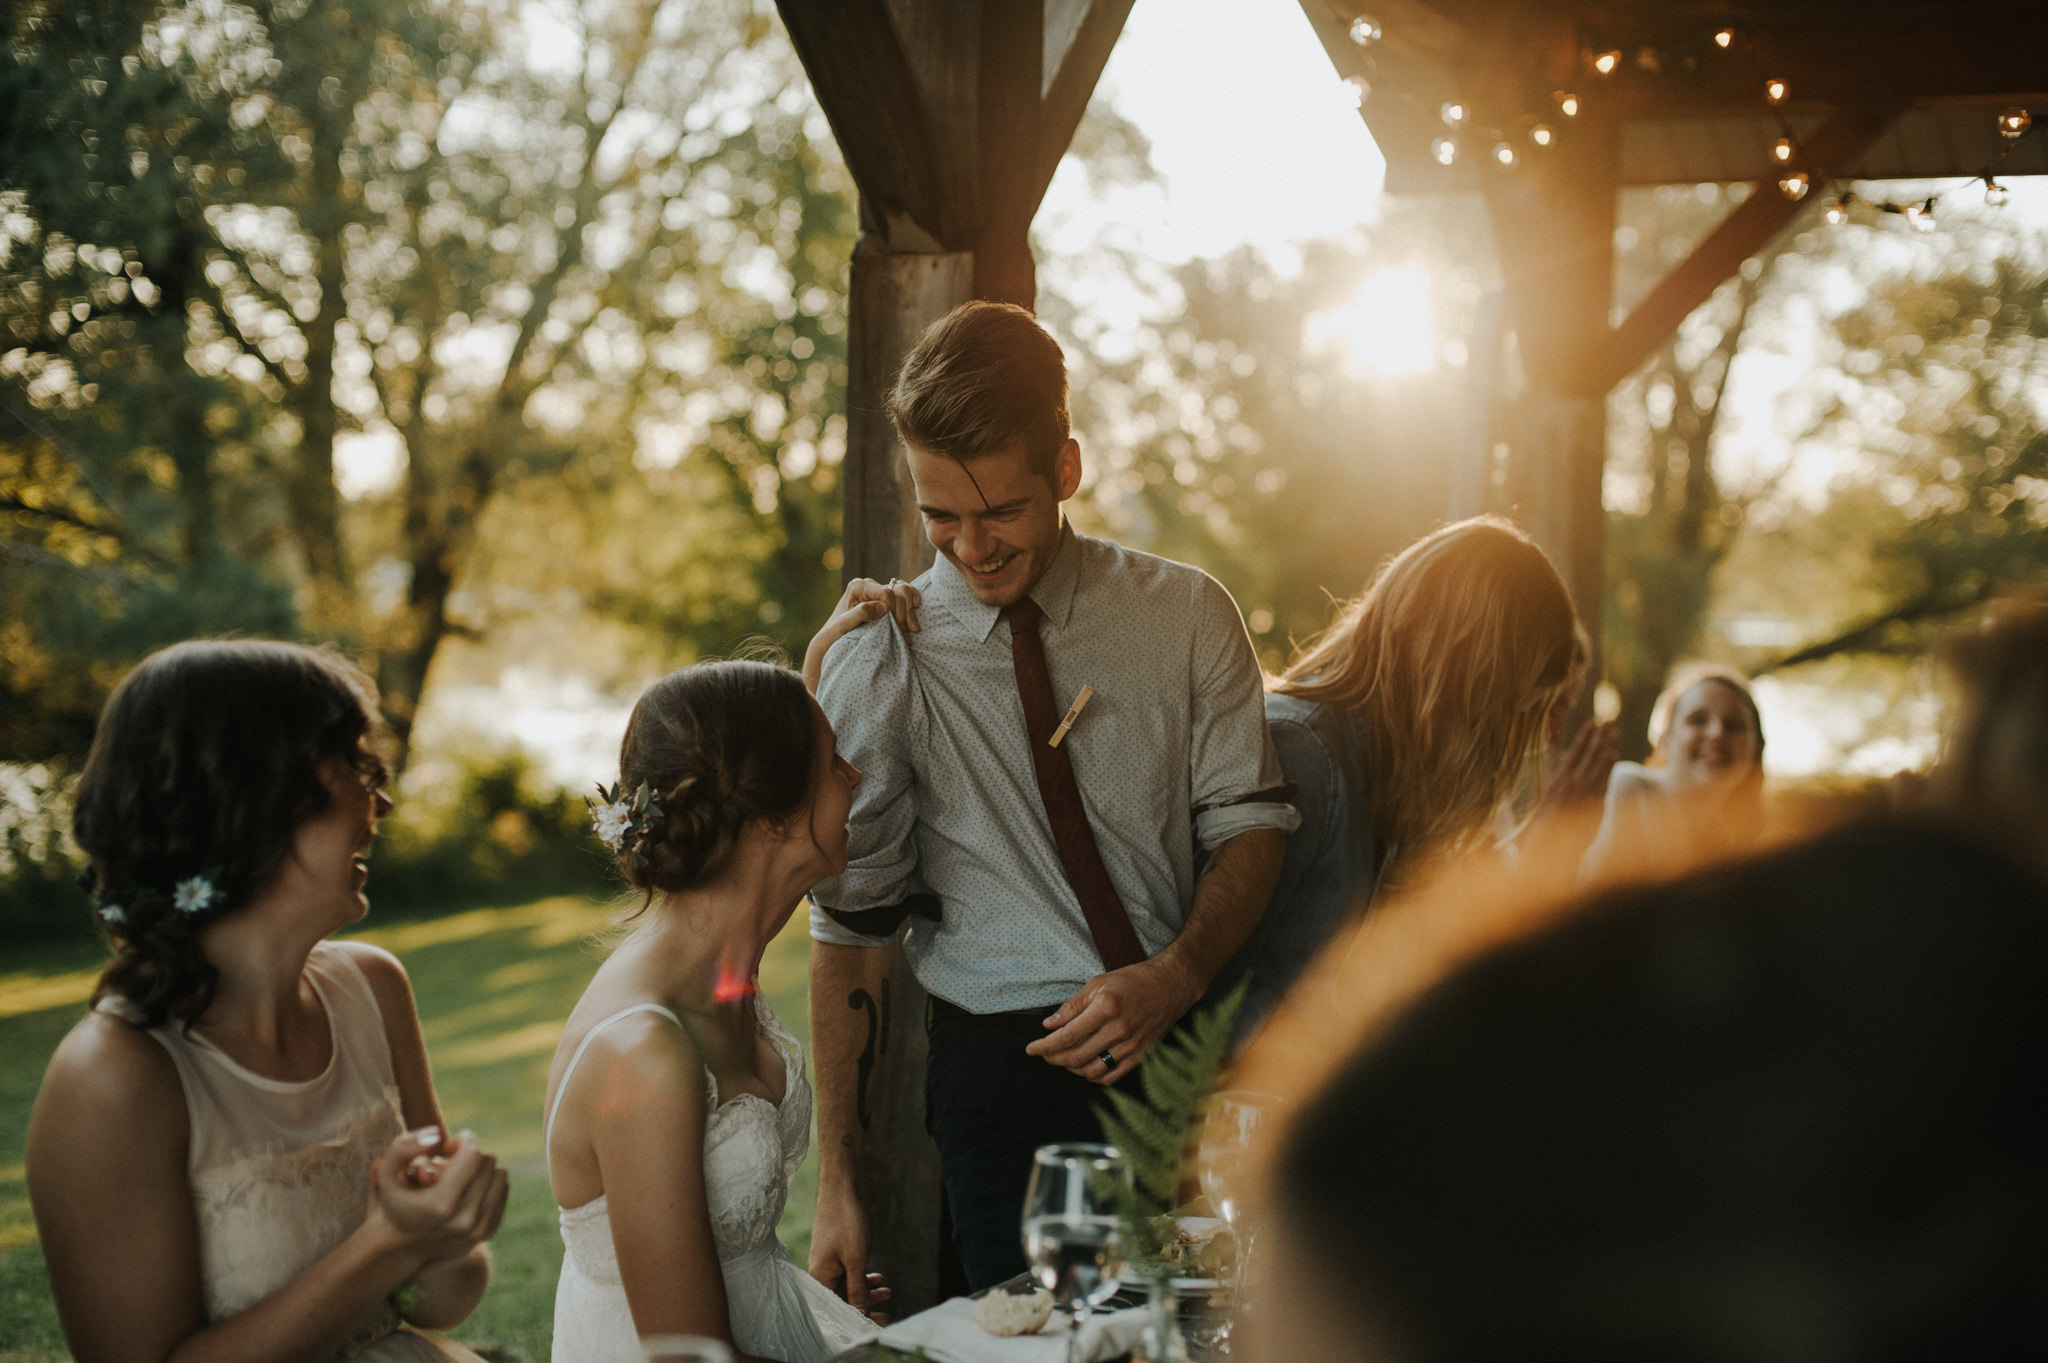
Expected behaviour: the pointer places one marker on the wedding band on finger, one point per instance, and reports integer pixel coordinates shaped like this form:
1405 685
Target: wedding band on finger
1108 1061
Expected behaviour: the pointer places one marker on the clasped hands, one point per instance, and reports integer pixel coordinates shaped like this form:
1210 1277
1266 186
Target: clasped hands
441 1196
1113 1021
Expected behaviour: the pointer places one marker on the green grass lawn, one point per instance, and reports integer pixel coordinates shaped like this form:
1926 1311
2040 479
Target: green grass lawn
493 987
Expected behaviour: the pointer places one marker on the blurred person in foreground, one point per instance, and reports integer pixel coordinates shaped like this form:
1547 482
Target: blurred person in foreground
1995 768
1789 1108
1409 727
238 1154
1701 792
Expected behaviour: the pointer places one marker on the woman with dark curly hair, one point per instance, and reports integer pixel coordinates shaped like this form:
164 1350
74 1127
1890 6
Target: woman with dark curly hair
677 1106
237 1154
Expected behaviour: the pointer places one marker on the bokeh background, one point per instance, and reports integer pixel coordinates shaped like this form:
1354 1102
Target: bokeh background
502 343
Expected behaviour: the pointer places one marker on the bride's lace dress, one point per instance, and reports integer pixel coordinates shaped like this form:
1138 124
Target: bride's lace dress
752 1148
280 1170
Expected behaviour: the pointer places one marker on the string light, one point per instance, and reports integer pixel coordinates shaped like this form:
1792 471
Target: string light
1357 89
2012 124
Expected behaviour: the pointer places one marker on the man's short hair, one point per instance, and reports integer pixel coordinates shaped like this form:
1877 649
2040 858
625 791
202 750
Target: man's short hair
982 377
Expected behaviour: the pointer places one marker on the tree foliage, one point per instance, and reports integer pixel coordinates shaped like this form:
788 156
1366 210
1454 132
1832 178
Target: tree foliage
575 265
1939 392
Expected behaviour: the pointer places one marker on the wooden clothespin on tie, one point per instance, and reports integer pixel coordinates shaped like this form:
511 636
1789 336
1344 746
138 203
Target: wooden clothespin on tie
1073 713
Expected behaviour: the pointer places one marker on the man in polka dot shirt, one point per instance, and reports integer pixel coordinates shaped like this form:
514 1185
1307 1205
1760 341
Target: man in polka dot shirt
960 829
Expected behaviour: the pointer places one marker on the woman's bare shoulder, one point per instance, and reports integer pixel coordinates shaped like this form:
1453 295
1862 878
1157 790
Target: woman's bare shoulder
111 1075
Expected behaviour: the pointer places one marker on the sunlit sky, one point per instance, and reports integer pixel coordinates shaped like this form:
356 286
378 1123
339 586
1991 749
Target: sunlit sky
1258 143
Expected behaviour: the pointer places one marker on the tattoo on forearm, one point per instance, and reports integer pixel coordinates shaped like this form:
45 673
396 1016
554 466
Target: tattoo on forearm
860 1000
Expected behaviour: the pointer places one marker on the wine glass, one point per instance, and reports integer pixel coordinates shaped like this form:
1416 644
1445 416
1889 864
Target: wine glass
1071 1232
1230 1132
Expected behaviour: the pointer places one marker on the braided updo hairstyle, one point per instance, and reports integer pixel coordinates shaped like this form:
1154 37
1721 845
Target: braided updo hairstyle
206 762
718 745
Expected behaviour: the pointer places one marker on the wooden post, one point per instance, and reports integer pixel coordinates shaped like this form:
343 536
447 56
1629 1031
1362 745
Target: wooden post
1553 222
894 297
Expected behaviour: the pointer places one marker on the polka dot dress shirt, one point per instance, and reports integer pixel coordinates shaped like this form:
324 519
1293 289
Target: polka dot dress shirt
1171 752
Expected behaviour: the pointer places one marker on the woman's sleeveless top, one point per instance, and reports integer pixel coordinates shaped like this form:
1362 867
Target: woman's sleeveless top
280 1169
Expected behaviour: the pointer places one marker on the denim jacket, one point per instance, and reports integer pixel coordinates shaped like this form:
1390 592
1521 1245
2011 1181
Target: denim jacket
1333 859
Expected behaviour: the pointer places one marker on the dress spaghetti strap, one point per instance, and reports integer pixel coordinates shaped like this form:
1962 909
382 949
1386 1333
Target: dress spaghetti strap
548 1138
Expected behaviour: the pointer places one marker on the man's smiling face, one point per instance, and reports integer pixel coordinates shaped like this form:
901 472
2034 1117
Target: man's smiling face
995 517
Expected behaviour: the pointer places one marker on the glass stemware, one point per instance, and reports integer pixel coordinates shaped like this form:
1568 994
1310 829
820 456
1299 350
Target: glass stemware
1072 1236
1231 1129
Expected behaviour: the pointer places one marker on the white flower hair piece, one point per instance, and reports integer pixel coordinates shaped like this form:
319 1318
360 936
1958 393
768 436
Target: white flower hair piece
623 821
613 819
194 895
112 913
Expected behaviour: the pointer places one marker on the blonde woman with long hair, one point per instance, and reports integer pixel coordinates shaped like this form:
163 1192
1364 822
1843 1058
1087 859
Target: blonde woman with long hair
1422 710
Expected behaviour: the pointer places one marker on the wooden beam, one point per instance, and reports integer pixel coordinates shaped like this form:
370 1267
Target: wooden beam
1741 235
1008 108
865 84
1070 84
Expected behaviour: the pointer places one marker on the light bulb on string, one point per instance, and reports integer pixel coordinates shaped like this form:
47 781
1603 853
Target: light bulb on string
2013 124
1774 91
1453 114
1357 89
1921 216
1837 213
1541 135
1567 104
1795 185
1995 194
1365 30
1445 150
1782 150
1505 155
1606 62
1725 39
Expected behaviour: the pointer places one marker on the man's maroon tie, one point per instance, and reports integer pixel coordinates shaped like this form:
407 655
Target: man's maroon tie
1108 924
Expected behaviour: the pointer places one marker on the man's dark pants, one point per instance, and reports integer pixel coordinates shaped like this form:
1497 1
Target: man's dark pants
988 1106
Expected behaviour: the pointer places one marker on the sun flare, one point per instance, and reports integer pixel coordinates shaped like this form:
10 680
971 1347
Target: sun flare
1386 328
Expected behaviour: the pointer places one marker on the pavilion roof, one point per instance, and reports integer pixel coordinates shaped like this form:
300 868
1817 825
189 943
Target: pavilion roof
1688 109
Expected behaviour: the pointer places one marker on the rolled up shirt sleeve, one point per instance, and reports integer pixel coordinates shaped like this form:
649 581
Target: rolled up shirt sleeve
1235 782
869 693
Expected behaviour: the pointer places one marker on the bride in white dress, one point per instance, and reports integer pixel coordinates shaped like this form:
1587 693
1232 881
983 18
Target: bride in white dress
677 1105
